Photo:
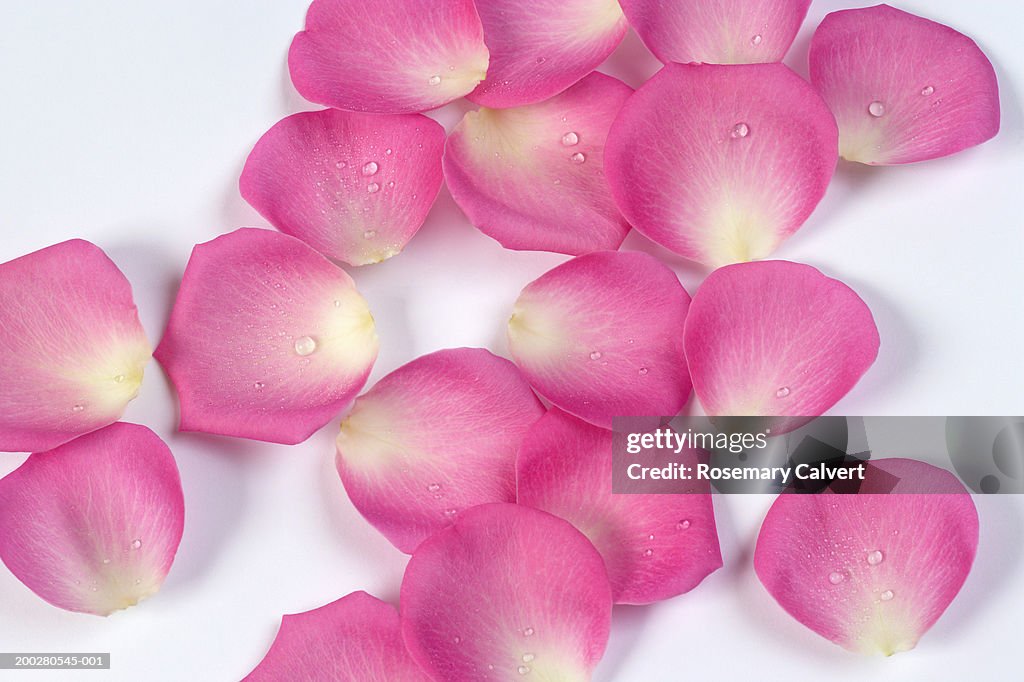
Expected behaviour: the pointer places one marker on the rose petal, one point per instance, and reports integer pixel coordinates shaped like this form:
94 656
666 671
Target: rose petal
93 525
717 31
903 88
533 177
870 572
72 346
388 56
267 339
776 339
506 592
541 47
355 638
654 546
721 163
600 337
355 187
435 437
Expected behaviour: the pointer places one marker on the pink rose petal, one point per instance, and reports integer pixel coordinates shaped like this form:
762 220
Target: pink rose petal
870 572
93 525
433 438
601 336
903 88
776 339
721 163
356 638
267 340
533 177
655 546
355 187
717 31
541 47
388 56
507 593
72 346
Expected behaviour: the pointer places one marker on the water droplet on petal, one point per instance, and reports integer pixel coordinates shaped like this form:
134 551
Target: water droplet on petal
927 90
305 345
337 303
756 40
528 657
450 512
435 80
886 596
782 392
643 371
106 562
740 130
835 577
340 165
876 109
434 487
596 355
136 544
528 632
648 553
683 525
373 188
119 378
522 670
874 558
370 168
369 234
457 640
578 158
570 139
258 385
77 408
389 152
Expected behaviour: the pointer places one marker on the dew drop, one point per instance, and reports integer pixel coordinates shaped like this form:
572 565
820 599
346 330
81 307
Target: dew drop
651 536
756 40
337 303
258 385
683 525
457 640
373 188
77 408
927 90
648 553
389 152
370 168
340 165
435 80
136 544
835 577
450 513
522 670
119 378
106 562
528 632
876 109
874 558
528 658
643 371
739 131
578 158
596 355
369 234
138 581
434 487
570 139
886 596
782 392
305 345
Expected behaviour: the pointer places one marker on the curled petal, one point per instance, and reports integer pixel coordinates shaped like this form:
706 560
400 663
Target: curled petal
541 47
717 31
721 163
533 177
600 337
655 546
506 592
355 638
903 88
433 438
776 339
93 525
870 572
72 346
267 340
388 56
355 187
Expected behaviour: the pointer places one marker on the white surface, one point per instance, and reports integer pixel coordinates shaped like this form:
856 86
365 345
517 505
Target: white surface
127 123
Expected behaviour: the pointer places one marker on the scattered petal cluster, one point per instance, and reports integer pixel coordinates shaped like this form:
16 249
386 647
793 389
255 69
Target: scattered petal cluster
494 474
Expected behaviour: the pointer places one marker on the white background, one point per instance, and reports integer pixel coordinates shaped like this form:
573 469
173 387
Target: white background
127 123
